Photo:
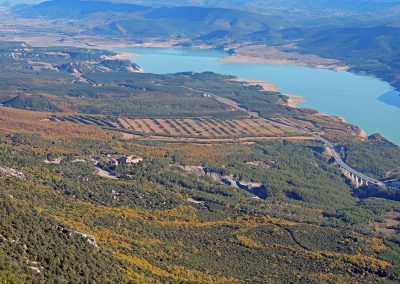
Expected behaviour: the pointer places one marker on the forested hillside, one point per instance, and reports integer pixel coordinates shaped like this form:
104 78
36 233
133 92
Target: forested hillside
260 211
371 49
158 223
112 175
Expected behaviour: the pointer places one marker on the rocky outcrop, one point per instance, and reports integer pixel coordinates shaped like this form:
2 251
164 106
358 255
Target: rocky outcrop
80 68
9 172
255 188
262 164
88 238
109 65
117 65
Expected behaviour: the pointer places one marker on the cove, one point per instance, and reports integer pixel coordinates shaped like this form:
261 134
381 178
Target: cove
367 102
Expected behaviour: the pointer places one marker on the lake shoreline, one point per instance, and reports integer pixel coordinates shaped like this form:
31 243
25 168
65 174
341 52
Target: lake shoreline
319 89
290 100
236 58
273 55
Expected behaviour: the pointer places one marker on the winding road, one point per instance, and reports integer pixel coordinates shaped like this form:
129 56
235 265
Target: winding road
335 154
318 137
345 166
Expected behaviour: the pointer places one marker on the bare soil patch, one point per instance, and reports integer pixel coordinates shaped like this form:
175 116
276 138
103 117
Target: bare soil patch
388 226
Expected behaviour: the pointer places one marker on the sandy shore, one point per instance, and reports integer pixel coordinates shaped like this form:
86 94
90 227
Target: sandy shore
280 61
291 100
122 55
266 86
148 44
129 55
125 55
273 55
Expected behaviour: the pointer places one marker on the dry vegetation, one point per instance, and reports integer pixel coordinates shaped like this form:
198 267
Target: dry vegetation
28 122
145 239
391 220
333 128
205 127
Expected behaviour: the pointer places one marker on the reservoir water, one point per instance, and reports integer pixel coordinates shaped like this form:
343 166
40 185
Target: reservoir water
364 101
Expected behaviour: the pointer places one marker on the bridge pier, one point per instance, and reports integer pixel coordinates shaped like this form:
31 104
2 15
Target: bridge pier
356 180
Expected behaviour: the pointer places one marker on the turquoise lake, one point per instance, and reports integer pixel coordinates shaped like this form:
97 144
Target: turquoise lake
364 101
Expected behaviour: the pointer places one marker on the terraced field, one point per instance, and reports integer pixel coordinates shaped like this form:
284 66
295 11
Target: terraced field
85 119
190 130
333 128
205 127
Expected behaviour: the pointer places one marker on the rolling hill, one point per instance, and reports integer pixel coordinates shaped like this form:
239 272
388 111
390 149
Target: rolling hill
141 20
357 32
298 10
371 49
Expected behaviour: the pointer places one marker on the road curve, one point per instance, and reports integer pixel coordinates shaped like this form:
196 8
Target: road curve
345 166
318 137
335 154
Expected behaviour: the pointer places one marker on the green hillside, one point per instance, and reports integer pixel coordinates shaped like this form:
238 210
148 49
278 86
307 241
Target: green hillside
112 175
373 49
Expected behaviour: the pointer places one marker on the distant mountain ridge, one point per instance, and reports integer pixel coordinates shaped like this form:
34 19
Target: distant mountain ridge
76 8
137 20
375 49
368 41
266 6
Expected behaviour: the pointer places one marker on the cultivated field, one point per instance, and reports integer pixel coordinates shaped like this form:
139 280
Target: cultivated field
205 127
332 128
85 119
191 130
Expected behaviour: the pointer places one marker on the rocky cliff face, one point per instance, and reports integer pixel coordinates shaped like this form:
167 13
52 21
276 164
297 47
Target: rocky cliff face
108 65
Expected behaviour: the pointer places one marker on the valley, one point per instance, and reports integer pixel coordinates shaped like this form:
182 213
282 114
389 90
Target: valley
199 144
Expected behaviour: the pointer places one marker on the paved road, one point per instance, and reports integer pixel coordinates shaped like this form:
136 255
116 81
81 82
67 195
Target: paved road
329 144
335 154
339 160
